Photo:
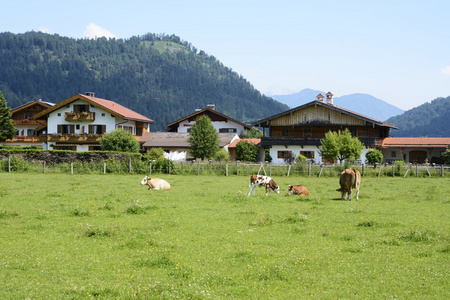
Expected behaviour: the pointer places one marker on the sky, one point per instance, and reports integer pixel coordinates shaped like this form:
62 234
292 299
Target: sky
395 50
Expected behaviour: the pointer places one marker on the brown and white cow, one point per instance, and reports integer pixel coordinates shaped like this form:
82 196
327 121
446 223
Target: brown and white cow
265 181
350 178
155 183
298 190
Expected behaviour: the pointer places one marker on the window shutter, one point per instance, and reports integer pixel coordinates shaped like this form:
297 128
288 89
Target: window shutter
91 129
59 128
103 129
72 129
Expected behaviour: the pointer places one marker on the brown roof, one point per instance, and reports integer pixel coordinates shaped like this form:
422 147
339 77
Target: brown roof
421 142
331 106
26 105
207 110
112 107
252 141
180 139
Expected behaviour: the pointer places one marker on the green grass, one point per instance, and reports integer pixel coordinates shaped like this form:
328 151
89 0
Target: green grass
106 236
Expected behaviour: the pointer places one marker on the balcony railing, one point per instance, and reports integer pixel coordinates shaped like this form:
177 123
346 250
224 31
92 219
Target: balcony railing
30 122
24 139
72 138
79 116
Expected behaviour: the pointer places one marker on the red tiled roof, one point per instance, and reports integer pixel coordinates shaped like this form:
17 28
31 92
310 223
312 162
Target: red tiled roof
119 109
417 142
252 141
110 106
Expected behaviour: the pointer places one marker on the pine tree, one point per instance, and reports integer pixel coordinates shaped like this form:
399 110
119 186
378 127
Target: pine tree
203 138
7 129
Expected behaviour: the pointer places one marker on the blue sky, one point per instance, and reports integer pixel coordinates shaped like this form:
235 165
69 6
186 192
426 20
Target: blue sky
395 50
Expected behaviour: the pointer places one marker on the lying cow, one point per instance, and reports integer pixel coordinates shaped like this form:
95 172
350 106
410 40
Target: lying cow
350 178
298 190
265 181
155 183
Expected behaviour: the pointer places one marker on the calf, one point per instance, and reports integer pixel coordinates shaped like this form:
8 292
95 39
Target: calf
298 190
350 178
266 181
155 183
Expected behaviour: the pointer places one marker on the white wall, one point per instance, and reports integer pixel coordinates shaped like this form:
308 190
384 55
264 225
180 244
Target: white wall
54 120
185 125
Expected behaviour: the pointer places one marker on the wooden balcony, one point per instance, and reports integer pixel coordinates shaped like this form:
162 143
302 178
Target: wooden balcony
24 139
29 122
79 117
71 138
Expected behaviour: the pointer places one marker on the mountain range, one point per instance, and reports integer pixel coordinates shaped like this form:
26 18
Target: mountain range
364 104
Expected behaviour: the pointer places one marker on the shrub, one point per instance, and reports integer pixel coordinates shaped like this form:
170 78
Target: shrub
447 157
246 151
374 157
154 154
267 156
222 155
301 159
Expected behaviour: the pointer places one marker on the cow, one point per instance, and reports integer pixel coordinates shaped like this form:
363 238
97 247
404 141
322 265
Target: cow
265 181
350 178
298 190
155 183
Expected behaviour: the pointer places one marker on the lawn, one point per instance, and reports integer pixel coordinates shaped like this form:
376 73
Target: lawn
106 236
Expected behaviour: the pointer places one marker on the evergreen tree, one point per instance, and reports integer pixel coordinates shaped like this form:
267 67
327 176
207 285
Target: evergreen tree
119 140
7 129
341 145
203 138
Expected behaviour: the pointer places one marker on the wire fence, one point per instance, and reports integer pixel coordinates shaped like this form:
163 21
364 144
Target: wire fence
135 166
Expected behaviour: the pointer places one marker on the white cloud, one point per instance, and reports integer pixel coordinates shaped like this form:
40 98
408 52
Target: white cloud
44 29
94 31
446 70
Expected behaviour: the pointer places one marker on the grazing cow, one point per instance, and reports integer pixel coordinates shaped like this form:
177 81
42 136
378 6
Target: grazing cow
298 190
350 178
266 181
155 183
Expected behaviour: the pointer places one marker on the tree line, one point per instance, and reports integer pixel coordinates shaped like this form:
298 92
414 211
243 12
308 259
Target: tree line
157 75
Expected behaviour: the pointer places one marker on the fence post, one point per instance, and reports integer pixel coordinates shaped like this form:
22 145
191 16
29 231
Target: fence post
150 167
104 167
226 169
417 170
309 168
442 170
9 164
393 170
129 165
237 167
71 168
363 168
198 167
321 169
428 171
407 170
379 172
43 167
289 170
169 166
270 169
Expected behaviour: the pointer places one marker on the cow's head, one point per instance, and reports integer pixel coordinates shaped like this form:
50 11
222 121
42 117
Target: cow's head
145 180
274 186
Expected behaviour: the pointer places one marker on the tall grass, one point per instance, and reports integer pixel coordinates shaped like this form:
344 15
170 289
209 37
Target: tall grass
108 237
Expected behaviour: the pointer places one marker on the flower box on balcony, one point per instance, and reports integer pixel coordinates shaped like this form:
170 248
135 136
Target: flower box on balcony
80 116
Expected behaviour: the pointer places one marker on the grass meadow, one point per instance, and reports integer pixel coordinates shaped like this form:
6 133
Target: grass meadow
107 237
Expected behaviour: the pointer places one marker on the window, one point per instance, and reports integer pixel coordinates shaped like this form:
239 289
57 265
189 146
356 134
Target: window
97 129
103 114
66 129
284 154
80 108
227 130
139 131
285 132
307 154
59 114
393 154
77 126
353 131
126 128
31 132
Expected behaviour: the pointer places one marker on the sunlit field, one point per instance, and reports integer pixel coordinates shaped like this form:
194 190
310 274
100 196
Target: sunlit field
108 237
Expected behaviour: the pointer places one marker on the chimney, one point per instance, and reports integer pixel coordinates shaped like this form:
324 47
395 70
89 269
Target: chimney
329 98
211 106
90 94
320 97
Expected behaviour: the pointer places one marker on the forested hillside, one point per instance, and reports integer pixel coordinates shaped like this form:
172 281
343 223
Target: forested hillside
429 119
159 76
